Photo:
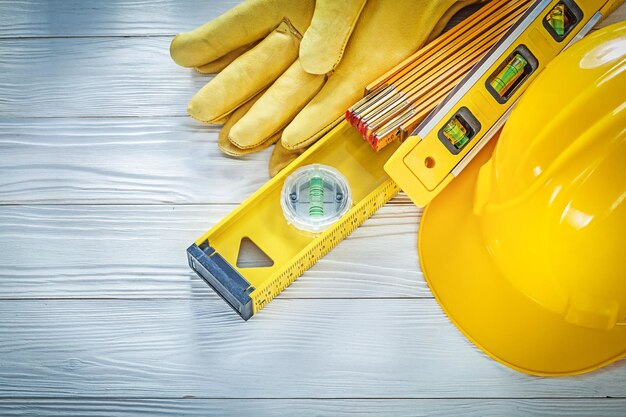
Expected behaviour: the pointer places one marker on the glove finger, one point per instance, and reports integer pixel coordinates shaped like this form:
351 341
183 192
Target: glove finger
379 42
321 114
243 24
227 146
277 107
281 157
324 41
219 64
246 76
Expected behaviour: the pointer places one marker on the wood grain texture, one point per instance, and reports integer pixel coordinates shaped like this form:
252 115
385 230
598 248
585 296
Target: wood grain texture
295 349
127 160
104 182
76 407
139 252
64 18
171 160
77 18
93 77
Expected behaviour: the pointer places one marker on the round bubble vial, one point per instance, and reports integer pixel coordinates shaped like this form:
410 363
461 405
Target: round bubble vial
314 197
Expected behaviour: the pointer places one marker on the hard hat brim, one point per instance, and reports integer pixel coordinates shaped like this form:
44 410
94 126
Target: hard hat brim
502 321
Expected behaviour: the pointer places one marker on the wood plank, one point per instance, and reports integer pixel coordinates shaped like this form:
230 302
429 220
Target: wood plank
295 349
139 252
125 160
45 18
31 18
93 77
71 407
122 160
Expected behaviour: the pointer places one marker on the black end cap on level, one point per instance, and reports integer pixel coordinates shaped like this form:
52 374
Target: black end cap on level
222 277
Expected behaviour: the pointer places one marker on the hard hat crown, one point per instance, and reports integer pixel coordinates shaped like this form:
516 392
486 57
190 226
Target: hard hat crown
551 199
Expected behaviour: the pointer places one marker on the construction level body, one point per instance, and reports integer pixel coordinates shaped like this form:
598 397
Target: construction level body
449 138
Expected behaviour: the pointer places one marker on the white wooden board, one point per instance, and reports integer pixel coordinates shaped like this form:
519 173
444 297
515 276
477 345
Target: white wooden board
337 348
104 182
192 406
139 252
121 160
93 77
80 18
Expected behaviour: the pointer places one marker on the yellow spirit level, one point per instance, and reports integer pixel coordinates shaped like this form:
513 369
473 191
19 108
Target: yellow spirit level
260 219
449 138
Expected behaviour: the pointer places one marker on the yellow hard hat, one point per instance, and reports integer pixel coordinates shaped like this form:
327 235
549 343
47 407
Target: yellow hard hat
526 254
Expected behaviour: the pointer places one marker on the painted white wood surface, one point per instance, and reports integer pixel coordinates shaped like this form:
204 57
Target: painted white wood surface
139 252
93 77
334 348
103 184
314 408
121 160
79 18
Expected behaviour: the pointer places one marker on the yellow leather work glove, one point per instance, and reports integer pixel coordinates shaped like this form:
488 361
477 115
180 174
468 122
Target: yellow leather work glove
288 69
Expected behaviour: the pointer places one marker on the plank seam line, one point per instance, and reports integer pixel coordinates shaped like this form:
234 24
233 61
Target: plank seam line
188 397
36 37
112 117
